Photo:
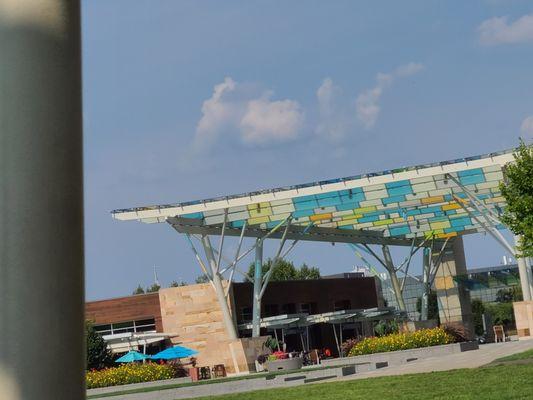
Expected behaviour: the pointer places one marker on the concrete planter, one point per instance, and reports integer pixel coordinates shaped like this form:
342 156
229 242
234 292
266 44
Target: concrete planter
286 364
380 360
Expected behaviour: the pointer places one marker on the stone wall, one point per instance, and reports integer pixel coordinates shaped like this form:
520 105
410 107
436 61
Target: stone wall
523 313
193 313
453 298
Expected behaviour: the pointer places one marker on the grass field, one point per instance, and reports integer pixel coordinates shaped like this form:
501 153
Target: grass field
526 355
495 382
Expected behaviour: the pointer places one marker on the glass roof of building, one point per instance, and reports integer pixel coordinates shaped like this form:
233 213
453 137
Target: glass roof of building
413 202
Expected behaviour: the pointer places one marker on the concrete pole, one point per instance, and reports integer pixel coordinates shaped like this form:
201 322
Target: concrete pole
41 201
426 264
258 278
396 287
219 289
525 274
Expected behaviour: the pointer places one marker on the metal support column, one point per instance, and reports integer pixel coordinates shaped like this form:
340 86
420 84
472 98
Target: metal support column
525 274
426 265
393 278
258 280
41 201
219 289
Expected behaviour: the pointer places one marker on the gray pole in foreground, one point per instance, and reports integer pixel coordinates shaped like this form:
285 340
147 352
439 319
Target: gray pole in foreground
41 201
258 279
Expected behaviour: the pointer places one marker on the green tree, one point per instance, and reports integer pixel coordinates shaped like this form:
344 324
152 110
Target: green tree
286 271
202 279
154 288
306 272
509 295
98 356
502 313
139 290
178 284
518 193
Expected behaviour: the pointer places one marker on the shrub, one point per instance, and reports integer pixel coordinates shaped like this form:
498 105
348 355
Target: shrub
271 344
459 333
97 354
385 328
502 313
131 373
401 341
347 346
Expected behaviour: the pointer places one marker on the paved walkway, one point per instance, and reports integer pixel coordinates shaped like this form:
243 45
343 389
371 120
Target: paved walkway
470 359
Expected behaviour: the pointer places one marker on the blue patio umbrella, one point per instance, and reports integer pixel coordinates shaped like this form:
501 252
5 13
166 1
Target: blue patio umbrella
132 356
174 352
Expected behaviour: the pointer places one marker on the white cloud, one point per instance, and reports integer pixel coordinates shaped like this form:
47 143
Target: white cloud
408 69
498 30
367 103
253 117
217 113
334 121
527 126
267 121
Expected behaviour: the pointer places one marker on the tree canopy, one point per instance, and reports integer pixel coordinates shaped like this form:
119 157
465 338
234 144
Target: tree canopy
138 290
98 356
201 279
518 193
286 271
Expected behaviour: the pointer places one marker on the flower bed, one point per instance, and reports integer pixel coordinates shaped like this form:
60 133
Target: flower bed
130 373
401 341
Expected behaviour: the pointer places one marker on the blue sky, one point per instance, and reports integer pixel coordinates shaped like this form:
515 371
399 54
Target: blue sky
192 99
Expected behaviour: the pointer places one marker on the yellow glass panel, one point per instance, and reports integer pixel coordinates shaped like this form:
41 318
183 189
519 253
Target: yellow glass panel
440 225
363 210
451 206
258 220
320 217
447 235
431 200
384 222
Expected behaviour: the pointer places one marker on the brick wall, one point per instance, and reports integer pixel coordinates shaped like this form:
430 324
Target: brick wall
122 309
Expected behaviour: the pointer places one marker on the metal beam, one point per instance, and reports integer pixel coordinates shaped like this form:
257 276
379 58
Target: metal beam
222 235
389 265
426 270
275 261
488 226
256 305
219 290
296 232
235 259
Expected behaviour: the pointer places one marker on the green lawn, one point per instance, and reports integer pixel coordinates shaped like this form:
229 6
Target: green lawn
495 382
526 355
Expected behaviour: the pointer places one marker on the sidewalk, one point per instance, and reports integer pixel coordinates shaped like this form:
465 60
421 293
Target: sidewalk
470 359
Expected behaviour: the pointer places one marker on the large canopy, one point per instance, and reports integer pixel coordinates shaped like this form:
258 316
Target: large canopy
391 206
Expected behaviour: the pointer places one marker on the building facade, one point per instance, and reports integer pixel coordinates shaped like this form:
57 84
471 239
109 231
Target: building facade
482 283
191 316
